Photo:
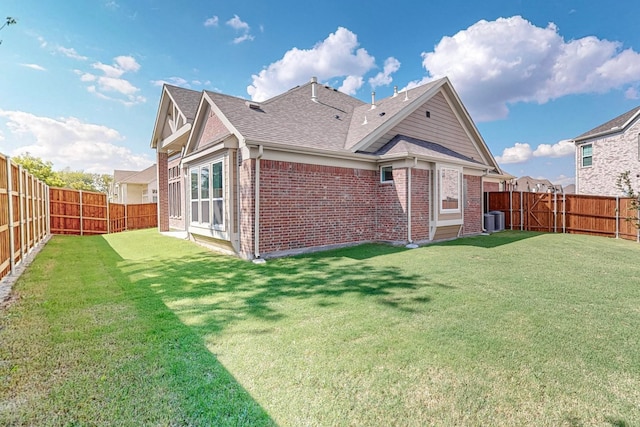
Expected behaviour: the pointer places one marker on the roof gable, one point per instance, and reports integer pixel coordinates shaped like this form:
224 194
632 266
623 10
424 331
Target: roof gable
371 128
618 124
177 109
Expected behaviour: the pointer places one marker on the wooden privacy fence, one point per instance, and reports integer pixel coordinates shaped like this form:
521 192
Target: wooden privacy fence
85 213
565 213
23 214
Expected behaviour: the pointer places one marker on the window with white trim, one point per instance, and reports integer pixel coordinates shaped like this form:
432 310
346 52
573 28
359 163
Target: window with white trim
386 174
449 190
586 152
207 195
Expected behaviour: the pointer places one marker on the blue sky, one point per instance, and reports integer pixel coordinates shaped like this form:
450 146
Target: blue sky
81 79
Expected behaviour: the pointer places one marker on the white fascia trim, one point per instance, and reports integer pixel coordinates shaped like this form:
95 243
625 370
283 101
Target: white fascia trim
469 165
308 150
223 145
174 136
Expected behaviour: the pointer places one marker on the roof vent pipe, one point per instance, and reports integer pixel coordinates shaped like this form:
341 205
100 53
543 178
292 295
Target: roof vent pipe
395 91
373 100
314 96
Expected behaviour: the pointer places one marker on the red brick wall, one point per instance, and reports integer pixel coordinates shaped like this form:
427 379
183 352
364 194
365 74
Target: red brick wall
213 130
420 204
247 210
473 205
391 201
163 192
304 205
491 186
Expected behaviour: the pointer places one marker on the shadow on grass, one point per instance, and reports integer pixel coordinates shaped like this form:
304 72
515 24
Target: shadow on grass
494 240
205 392
210 292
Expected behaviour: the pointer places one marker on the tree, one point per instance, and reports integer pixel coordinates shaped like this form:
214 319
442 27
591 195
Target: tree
623 182
40 169
67 178
8 21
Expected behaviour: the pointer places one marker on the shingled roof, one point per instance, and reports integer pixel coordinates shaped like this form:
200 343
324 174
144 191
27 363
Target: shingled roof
187 100
406 146
615 125
291 118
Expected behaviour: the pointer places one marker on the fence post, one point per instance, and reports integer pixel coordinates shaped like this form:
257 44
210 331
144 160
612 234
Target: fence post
511 209
521 211
23 237
126 217
12 244
564 213
617 216
555 212
81 220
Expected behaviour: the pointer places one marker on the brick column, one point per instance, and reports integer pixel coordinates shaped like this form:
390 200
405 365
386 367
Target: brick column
163 191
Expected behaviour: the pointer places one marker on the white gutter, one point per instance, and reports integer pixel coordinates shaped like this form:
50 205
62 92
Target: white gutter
256 201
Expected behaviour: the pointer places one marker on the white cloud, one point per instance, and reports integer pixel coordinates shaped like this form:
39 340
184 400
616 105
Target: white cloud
383 78
112 82
70 142
211 22
632 93
351 84
112 5
519 153
34 67
336 56
509 60
238 24
175 81
243 38
69 52
559 149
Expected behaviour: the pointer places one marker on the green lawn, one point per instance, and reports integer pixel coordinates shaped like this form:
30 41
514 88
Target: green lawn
508 329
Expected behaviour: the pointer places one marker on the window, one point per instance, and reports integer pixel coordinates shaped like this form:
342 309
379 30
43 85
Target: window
217 195
587 155
207 195
386 174
194 195
449 190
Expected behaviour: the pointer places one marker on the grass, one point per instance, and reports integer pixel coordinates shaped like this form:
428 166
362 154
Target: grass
508 329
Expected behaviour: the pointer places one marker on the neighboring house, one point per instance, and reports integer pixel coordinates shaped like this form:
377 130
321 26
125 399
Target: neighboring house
315 168
533 185
134 187
606 151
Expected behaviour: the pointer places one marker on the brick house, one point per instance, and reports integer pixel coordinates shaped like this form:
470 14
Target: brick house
606 151
314 168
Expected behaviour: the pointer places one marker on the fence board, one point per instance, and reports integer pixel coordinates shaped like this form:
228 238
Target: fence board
23 208
565 213
85 213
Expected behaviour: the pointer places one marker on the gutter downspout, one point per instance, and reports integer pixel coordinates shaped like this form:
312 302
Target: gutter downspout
410 245
256 220
485 173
